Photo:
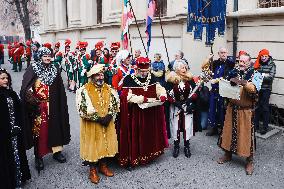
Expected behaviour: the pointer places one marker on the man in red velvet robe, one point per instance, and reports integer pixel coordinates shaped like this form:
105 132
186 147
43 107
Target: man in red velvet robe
143 135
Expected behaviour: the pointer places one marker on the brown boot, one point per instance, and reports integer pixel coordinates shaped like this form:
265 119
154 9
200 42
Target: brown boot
249 167
227 157
105 170
94 177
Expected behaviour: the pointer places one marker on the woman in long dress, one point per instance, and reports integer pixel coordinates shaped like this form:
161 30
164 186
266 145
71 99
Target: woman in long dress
14 169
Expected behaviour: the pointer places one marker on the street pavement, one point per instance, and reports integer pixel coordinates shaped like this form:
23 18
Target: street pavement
199 171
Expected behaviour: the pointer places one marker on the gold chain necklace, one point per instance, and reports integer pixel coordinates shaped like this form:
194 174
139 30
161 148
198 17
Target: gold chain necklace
144 85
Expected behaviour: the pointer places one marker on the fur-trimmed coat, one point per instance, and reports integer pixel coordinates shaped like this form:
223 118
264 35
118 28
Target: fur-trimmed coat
58 121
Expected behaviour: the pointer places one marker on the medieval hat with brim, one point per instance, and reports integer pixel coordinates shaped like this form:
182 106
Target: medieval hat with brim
97 68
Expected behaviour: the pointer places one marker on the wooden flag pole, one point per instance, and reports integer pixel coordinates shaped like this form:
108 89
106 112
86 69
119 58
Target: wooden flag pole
162 29
131 8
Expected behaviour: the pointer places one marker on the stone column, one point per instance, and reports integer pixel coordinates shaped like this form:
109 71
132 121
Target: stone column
75 17
50 14
60 14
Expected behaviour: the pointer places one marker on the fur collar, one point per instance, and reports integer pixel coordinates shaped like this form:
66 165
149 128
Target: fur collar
173 77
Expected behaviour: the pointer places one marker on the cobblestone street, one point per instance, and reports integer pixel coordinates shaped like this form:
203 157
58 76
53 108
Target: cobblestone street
200 171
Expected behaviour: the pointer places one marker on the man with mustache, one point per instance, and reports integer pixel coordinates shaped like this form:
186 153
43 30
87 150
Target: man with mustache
142 117
238 132
97 104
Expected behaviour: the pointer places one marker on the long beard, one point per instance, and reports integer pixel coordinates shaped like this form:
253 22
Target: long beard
99 82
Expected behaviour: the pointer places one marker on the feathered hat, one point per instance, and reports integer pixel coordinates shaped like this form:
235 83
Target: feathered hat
115 46
83 45
99 45
57 45
67 43
47 45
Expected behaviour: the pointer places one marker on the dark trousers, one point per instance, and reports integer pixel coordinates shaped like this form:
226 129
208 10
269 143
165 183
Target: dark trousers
262 108
1 59
216 114
16 65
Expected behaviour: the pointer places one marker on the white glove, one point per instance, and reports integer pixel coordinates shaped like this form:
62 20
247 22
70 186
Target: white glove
83 72
137 99
90 61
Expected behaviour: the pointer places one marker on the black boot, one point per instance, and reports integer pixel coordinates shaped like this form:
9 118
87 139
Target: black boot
187 149
263 131
58 156
39 164
176 149
212 131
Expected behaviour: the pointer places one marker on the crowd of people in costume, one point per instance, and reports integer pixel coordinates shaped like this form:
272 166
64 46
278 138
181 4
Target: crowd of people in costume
129 106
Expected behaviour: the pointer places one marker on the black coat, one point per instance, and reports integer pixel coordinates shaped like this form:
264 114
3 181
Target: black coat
7 162
58 122
203 99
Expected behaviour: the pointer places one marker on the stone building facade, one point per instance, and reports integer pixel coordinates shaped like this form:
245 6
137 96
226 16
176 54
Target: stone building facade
96 20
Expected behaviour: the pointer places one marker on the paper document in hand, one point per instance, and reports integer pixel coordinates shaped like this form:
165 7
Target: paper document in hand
229 91
257 80
151 103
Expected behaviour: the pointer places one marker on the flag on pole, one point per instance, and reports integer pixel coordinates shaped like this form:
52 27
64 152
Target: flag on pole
208 14
125 22
149 20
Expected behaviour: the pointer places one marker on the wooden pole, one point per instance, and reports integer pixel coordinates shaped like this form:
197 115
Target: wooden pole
162 29
131 8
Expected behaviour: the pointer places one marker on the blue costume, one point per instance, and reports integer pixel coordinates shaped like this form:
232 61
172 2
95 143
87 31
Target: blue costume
216 115
157 67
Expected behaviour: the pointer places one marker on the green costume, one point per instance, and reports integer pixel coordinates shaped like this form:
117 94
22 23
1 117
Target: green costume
83 67
69 63
58 59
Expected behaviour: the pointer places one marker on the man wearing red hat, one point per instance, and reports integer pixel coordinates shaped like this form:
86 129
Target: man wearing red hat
264 64
10 49
97 54
28 53
142 117
1 53
114 48
84 64
69 62
58 56
17 57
